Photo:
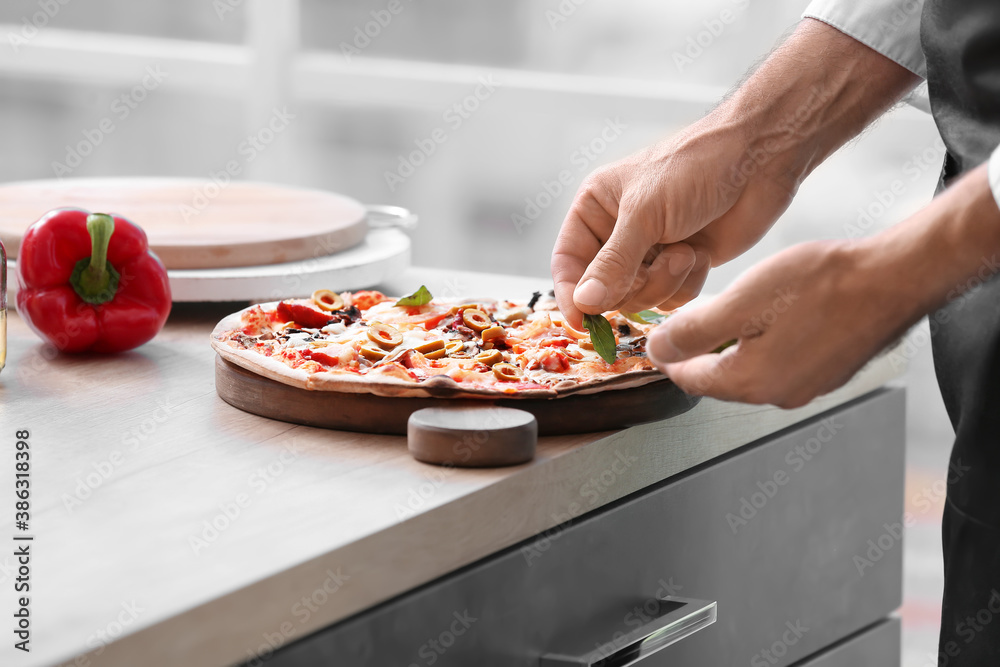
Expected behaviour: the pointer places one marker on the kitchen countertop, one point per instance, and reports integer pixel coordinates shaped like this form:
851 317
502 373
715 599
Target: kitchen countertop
134 458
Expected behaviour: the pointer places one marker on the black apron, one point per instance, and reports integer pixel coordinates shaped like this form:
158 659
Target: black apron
961 40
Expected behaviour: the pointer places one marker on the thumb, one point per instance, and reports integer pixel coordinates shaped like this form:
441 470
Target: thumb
694 332
609 278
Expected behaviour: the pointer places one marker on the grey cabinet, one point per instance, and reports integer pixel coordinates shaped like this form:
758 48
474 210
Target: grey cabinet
876 646
796 537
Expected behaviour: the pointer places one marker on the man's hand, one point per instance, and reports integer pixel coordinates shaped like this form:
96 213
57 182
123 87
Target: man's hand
808 318
805 320
644 231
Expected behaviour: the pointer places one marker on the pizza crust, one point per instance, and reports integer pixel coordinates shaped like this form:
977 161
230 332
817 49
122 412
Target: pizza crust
438 386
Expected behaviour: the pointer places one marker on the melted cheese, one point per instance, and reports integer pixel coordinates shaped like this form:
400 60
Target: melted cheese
299 340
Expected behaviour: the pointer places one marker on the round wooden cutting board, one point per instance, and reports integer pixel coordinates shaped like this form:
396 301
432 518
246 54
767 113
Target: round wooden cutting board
367 413
196 224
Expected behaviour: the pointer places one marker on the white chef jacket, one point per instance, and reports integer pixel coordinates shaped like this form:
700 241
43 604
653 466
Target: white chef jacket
891 27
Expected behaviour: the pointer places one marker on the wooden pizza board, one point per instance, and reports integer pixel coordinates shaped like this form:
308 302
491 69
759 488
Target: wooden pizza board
367 413
196 224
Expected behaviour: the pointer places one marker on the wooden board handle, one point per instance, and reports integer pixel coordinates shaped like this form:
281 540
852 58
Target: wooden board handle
472 437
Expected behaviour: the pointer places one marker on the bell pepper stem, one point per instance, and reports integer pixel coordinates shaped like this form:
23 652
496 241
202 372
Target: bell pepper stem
94 279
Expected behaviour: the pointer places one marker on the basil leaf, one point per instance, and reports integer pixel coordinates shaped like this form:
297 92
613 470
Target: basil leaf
421 297
646 317
601 335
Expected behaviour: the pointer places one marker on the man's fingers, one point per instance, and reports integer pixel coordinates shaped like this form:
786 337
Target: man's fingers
566 272
692 284
661 278
575 246
699 330
665 289
611 274
716 375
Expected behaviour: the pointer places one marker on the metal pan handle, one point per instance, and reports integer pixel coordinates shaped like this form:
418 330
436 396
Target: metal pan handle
683 618
380 217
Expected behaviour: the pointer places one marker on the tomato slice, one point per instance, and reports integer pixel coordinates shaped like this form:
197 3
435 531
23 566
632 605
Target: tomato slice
300 313
553 360
321 357
365 299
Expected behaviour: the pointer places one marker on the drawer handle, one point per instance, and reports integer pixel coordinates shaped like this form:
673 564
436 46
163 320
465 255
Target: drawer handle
390 216
680 618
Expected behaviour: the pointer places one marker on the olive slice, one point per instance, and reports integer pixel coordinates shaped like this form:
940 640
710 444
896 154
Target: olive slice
476 319
384 336
327 299
489 357
456 350
507 372
585 344
435 354
372 353
429 346
510 316
492 333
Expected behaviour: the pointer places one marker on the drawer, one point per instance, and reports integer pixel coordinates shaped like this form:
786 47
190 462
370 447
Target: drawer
877 645
779 533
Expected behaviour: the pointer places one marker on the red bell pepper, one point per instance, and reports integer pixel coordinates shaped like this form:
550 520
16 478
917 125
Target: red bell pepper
89 283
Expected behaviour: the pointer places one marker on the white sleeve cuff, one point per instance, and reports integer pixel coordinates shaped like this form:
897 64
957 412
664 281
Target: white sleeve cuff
891 27
993 173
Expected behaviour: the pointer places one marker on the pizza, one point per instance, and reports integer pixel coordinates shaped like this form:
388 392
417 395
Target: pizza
418 346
